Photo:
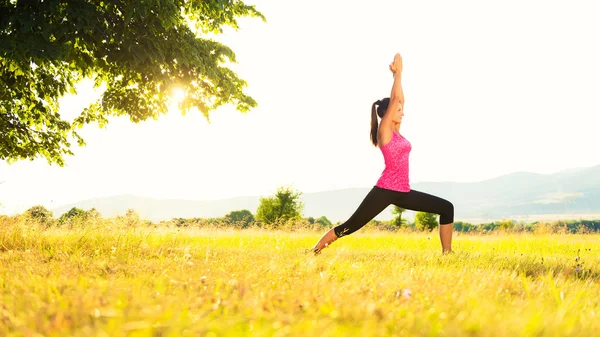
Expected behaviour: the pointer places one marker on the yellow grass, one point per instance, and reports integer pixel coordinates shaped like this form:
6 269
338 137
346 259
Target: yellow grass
143 282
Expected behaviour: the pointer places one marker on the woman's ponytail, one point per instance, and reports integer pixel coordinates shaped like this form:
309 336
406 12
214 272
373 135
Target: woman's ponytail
374 124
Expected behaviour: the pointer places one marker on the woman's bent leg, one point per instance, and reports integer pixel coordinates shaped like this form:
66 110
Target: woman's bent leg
423 202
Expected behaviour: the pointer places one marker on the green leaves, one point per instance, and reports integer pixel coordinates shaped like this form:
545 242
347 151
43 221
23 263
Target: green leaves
284 205
398 221
426 221
137 49
242 218
209 16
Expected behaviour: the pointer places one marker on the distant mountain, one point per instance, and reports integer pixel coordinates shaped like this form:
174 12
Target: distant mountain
516 194
523 193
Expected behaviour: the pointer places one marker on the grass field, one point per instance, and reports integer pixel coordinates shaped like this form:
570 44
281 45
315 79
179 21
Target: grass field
144 282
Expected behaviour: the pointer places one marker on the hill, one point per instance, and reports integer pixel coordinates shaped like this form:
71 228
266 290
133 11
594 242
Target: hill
519 194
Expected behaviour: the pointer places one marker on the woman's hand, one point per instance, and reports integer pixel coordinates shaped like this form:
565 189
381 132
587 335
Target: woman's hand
396 65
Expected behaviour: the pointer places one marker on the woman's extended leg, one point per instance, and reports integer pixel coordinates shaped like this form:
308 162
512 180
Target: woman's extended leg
423 202
375 202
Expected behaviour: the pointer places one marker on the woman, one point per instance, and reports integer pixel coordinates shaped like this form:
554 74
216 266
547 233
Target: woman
393 186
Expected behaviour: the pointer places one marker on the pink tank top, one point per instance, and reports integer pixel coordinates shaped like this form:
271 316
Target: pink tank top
395 174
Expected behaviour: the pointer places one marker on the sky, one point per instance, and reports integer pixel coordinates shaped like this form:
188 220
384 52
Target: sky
490 87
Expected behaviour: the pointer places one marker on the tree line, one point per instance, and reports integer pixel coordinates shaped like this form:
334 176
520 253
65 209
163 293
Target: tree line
284 210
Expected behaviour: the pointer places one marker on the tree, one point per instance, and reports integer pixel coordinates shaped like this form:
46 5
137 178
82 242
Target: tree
73 213
460 226
506 225
130 219
241 218
139 51
398 221
284 205
93 214
426 221
40 214
324 222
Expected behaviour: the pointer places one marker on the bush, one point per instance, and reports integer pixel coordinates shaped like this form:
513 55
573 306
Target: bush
382 225
73 216
40 215
130 219
426 221
283 206
323 222
240 219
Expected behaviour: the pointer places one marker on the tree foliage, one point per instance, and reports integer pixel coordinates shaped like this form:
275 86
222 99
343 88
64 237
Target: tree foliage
130 219
460 226
397 220
426 221
284 205
242 218
324 222
93 214
138 50
506 225
40 214
73 213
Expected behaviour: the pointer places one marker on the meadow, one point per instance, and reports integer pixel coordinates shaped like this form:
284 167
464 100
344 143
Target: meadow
200 282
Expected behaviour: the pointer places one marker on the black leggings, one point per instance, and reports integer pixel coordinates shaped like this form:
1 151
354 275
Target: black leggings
379 198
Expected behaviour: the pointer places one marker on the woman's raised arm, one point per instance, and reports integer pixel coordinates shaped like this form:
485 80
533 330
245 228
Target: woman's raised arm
396 102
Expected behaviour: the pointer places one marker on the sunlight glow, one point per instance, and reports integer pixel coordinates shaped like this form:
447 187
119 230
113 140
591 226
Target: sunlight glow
462 102
177 95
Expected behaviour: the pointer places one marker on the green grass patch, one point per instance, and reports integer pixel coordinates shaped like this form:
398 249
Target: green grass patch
172 282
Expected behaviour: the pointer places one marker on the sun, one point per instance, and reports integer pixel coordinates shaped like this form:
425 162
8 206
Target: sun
177 95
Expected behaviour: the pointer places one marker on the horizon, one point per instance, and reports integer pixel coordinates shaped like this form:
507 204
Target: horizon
483 99
382 215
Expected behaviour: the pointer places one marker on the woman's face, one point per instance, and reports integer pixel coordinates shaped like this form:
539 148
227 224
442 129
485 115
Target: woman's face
398 114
